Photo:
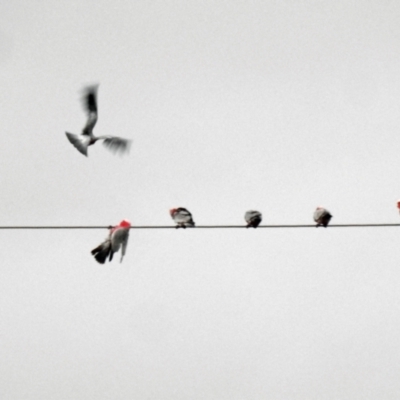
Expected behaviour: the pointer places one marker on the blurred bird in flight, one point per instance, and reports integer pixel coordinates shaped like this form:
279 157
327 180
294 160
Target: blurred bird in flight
86 138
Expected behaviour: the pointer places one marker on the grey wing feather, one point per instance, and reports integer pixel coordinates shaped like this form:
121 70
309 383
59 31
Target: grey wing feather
318 214
90 124
117 144
251 215
120 240
123 249
183 216
183 212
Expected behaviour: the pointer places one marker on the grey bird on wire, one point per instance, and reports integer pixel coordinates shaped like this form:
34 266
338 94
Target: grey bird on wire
253 218
182 217
322 217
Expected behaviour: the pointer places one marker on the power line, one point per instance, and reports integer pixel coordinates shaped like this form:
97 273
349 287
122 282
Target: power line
64 227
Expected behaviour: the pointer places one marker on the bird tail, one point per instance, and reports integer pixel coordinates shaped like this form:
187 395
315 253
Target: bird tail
80 142
326 220
254 222
102 251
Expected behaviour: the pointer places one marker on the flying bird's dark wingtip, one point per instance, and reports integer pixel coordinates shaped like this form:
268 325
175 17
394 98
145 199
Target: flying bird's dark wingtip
92 88
89 98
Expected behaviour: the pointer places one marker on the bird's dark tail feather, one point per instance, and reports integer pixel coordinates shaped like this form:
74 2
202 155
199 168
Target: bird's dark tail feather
102 251
254 223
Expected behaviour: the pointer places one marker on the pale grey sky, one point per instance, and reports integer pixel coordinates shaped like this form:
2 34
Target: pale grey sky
276 106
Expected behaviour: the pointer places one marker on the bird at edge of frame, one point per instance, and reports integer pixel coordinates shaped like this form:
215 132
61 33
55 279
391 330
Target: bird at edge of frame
182 217
82 141
322 217
117 238
253 218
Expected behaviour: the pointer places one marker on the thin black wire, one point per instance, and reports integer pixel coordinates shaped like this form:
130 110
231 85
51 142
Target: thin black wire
200 226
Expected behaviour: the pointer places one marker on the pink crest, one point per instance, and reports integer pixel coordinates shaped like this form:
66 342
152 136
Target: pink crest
125 224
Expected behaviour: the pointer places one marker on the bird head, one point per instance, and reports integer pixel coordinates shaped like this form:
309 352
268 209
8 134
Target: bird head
172 211
125 224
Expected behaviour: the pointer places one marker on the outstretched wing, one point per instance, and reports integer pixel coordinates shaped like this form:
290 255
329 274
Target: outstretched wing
80 142
117 144
90 105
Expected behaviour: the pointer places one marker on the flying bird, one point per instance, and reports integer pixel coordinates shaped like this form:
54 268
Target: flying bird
117 238
86 138
182 217
253 218
322 217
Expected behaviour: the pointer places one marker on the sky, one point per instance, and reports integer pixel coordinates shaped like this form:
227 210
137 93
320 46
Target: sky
231 106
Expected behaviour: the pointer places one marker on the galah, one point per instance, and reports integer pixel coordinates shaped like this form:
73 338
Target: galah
182 217
117 237
86 138
253 218
322 217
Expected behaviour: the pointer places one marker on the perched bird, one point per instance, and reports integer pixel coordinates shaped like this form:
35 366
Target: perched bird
182 217
86 138
253 218
117 237
322 217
